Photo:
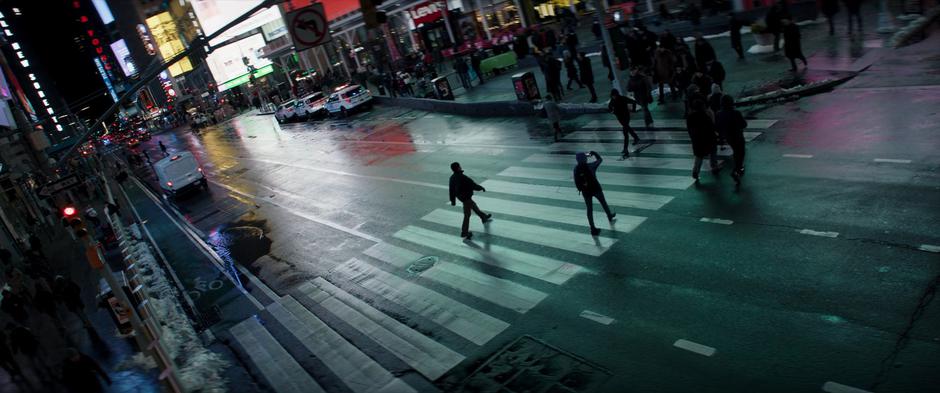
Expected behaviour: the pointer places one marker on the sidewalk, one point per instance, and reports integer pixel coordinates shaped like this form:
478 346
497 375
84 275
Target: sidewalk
830 57
100 340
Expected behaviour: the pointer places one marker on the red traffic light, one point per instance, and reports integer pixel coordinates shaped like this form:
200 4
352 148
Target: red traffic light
69 211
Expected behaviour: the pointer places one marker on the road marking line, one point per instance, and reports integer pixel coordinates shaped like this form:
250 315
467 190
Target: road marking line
624 224
300 213
614 198
833 387
580 242
817 233
929 248
599 318
590 136
532 265
798 155
700 349
606 178
501 292
634 162
751 123
468 322
678 149
716 221
893 160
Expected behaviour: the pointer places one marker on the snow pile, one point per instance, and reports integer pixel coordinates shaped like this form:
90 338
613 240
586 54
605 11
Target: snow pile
197 368
782 93
904 35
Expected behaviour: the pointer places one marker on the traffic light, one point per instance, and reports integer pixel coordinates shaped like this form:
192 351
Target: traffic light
69 212
370 13
70 219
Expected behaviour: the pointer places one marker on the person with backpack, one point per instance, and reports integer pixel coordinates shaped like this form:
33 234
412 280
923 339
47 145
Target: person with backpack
731 123
620 107
585 179
462 188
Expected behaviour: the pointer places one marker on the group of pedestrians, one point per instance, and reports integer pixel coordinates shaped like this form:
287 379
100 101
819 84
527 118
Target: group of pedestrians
462 188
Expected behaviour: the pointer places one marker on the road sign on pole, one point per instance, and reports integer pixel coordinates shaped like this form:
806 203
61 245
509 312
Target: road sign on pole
59 185
308 27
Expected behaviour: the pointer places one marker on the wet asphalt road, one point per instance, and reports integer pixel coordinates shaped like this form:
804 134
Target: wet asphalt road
807 273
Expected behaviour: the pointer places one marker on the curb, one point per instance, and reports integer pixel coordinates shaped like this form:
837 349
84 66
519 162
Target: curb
914 28
488 109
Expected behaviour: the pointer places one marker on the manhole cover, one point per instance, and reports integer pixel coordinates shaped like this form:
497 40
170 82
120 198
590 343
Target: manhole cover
531 365
422 264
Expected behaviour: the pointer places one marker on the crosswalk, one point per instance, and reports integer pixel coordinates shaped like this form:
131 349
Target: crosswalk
427 299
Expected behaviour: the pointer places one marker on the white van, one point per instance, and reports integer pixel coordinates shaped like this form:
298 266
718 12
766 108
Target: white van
179 172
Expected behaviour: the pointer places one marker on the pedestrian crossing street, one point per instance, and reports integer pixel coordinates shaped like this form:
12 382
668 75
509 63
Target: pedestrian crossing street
392 309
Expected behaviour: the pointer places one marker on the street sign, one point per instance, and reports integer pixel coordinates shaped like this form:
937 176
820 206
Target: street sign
308 27
59 185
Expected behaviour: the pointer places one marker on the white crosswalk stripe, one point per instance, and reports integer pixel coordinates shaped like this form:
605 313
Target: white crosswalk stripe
752 124
679 149
634 200
579 242
624 224
527 264
606 178
468 322
684 164
496 290
644 135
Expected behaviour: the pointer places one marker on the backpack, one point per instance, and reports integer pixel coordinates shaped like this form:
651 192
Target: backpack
584 178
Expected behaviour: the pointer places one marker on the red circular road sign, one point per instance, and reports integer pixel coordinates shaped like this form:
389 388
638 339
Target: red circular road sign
309 27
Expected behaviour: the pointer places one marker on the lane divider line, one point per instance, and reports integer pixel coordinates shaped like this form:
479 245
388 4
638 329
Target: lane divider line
817 233
798 155
694 347
893 160
833 387
599 318
929 248
716 221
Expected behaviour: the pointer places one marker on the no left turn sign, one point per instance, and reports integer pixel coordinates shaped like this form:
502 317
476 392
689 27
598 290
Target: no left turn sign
308 27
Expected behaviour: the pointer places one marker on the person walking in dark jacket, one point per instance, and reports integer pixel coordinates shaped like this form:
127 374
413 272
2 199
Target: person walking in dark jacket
553 76
717 72
476 58
80 373
586 75
702 133
163 148
830 8
734 26
571 69
462 188
620 107
642 88
703 51
585 179
792 47
731 123
463 72
854 7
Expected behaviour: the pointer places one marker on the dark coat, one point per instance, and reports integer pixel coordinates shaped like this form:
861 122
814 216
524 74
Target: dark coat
702 132
81 375
717 72
731 124
620 107
830 7
462 187
792 47
571 69
585 73
703 53
853 6
704 83
641 87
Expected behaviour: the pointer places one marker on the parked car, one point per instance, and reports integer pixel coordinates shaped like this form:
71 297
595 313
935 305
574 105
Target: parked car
313 106
287 112
179 172
346 99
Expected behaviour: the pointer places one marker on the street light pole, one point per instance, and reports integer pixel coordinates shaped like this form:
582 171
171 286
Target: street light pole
608 45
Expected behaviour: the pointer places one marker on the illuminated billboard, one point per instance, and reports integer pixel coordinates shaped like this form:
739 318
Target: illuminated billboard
123 55
214 14
226 63
164 32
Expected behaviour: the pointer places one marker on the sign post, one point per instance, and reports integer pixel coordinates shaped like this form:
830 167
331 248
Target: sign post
308 27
